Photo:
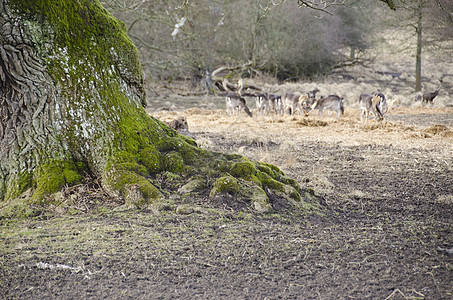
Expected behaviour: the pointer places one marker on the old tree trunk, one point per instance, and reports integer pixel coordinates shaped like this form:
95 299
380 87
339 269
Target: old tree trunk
71 103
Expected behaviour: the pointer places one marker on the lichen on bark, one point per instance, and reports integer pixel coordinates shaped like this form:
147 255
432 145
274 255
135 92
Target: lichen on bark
72 102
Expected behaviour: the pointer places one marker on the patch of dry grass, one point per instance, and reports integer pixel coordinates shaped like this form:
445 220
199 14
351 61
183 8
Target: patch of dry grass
441 130
445 199
347 130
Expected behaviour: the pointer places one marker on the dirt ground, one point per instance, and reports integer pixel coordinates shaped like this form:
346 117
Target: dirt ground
387 190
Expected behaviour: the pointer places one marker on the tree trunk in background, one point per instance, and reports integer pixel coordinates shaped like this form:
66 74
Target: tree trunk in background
71 102
418 57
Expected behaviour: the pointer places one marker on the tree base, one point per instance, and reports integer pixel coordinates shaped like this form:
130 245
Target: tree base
212 181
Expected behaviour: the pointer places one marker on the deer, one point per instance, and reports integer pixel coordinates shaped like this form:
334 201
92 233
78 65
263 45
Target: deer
375 104
291 103
305 103
429 97
331 102
235 103
262 104
276 104
312 95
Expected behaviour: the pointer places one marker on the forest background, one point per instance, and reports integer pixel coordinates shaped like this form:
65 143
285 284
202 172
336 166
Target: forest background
286 40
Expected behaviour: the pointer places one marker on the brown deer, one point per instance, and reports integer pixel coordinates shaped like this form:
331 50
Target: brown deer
262 104
331 102
276 104
235 103
291 103
375 104
429 97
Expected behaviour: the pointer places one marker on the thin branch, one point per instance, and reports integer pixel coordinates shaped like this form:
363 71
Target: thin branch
261 16
320 5
133 23
444 9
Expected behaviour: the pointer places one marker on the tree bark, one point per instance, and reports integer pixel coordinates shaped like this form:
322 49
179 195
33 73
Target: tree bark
63 94
418 56
71 102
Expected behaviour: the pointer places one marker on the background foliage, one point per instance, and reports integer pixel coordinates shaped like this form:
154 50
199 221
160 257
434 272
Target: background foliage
180 38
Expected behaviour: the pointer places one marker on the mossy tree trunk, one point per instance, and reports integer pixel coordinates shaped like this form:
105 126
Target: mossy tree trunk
71 91
71 102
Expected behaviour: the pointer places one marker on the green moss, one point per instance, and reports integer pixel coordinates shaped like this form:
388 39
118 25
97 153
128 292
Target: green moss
290 181
221 164
128 161
268 181
52 176
270 169
151 159
188 140
125 174
225 184
171 143
291 192
254 179
87 30
185 146
194 185
136 189
173 162
71 176
171 177
21 183
243 169
191 153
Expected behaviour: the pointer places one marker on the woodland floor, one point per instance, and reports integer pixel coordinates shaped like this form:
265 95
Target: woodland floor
388 197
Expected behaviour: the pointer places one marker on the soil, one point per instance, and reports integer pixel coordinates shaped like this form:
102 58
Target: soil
385 231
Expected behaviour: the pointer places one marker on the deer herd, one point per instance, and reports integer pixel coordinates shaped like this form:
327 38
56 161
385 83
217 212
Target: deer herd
374 104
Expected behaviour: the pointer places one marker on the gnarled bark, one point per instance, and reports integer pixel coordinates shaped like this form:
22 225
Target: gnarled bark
71 101
62 89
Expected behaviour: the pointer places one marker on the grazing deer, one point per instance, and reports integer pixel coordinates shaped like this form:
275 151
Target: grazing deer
331 102
429 97
305 103
375 104
262 104
276 104
291 103
235 103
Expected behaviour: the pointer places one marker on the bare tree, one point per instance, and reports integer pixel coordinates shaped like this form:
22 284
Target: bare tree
418 11
430 23
441 12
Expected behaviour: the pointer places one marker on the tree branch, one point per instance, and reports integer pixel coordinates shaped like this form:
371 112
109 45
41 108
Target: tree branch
444 9
320 5
390 3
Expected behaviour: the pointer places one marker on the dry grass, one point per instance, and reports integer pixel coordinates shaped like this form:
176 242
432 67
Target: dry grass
347 130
